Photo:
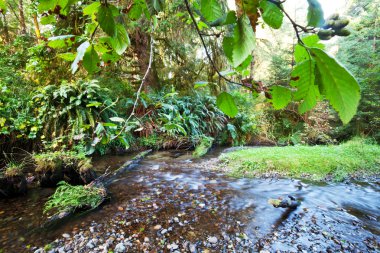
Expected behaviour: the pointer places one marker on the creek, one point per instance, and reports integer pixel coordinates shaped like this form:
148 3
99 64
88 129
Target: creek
174 203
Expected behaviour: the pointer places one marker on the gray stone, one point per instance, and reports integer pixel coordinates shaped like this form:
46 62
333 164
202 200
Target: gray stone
90 245
66 235
212 240
119 248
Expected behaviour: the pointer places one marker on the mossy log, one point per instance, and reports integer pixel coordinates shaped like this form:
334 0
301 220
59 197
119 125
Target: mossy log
98 185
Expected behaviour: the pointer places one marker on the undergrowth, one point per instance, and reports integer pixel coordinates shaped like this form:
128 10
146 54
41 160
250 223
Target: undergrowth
68 198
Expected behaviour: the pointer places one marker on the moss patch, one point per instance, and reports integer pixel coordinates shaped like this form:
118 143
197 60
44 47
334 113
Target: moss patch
68 198
356 158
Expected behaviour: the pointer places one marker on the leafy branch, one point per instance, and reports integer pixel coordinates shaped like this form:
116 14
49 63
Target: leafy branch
205 47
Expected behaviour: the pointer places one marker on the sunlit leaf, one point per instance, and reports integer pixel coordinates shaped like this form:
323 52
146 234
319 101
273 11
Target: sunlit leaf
281 97
80 53
91 9
272 15
301 54
240 46
226 104
91 60
121 41
303 78
315 14
106 20
337 85
67 56
211 10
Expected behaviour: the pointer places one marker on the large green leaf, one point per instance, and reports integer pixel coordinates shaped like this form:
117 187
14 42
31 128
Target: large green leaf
155 6
46 5
106 20
3 7
211 10
301 54
315 14
303 78
91 9
80 53
240 46
226 104
337 84
47 20
91 60
67 56
281 96
121 41
271 14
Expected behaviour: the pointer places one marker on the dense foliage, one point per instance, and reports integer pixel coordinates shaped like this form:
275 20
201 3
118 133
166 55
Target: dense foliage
100 76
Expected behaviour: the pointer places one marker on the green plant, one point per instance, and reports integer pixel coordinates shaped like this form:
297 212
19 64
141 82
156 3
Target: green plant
355 158
12 169
203 146
76 111
68 198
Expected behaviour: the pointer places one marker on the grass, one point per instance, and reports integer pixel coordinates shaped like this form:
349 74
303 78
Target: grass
356 158
12 169
68 198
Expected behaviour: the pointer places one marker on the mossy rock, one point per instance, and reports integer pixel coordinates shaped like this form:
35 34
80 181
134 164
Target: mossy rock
52 168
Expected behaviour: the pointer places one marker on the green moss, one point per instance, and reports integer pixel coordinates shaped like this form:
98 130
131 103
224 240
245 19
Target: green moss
12 169
56 160
202 148
354 158
68 198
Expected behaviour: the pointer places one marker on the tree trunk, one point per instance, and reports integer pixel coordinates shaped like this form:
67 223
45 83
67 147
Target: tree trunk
36 27
22 16
141 45
5 29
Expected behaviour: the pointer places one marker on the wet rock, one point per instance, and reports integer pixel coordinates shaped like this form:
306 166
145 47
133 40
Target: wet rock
90 245
119 248
12 186
157 227
212 240
193 248
67 236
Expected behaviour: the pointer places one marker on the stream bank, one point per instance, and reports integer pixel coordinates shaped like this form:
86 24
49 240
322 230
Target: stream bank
170 204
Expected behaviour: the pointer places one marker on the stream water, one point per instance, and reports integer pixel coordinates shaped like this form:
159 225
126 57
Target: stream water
170 204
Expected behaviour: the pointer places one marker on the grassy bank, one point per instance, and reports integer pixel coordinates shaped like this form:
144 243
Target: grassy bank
356 158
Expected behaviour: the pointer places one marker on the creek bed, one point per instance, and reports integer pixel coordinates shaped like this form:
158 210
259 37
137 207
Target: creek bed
169 204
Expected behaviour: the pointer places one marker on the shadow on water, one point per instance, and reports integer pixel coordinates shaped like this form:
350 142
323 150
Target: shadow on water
169 185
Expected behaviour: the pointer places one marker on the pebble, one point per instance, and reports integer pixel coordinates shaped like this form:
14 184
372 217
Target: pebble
212 240
164 231
90 245
157 227
119 248
66 235
193 248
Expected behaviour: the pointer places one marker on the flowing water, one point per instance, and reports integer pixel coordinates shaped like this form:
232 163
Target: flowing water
170 204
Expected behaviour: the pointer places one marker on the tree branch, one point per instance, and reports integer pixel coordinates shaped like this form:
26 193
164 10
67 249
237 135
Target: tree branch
205 47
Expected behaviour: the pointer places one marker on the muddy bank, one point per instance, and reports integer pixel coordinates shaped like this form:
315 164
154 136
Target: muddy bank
169 204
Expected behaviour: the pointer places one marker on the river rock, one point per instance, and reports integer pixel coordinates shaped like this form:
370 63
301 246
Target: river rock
119 248
212 240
